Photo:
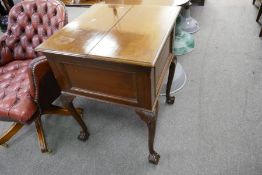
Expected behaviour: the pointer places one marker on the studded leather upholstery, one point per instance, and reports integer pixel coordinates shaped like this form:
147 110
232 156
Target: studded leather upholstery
15 99
30 23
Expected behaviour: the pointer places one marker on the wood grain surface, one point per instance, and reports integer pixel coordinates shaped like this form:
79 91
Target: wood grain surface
125 34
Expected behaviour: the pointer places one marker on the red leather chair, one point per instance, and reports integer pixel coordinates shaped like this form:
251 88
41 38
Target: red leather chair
27 84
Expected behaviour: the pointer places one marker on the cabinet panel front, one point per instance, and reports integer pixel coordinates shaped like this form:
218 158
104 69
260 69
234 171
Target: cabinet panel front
101 81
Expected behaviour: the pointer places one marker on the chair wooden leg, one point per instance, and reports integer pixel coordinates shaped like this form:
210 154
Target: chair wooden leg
259 13
41 135
15 127
61 111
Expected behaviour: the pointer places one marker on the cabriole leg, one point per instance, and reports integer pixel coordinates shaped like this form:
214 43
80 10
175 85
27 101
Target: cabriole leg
170 99
67 101
259 13
150 119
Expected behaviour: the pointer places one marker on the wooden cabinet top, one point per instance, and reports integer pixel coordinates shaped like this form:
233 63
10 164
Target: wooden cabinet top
132 34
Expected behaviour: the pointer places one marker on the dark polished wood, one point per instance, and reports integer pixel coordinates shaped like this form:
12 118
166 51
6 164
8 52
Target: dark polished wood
150 119
198 2
41 135
120 58
259 13
67 101
170 99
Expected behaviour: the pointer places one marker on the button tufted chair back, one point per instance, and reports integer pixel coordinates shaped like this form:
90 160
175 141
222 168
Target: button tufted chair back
30 22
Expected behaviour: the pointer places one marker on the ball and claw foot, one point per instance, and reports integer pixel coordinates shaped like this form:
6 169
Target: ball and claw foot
83 136
154 158
170 100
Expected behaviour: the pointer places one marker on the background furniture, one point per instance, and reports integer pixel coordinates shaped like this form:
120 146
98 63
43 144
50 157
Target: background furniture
119 58
188 24
75 3
198 2
4 10
27 84
8 4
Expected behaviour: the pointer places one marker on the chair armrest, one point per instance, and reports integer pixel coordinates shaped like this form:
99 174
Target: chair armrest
43 85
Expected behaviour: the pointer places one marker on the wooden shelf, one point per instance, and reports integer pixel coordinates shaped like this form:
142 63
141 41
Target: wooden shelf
80 2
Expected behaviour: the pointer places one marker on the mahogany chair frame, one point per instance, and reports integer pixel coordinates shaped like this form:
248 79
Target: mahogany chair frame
47 91
52 109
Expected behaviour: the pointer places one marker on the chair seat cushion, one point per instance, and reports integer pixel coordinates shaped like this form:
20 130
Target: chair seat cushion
16 103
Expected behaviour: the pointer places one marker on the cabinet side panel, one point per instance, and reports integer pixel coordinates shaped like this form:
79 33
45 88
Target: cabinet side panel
162 64
105 81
